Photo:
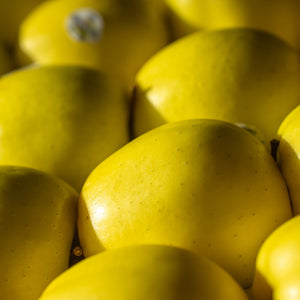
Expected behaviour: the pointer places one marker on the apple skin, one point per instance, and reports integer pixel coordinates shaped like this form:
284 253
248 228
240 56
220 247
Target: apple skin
280 18
187 16
37 225
277 17
204 185
288 155
278 264
63 120
145 272
289 290
131 33
225 75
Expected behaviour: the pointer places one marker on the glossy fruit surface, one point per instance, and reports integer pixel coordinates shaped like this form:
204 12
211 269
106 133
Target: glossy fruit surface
237 75
278 263
288 155
204 185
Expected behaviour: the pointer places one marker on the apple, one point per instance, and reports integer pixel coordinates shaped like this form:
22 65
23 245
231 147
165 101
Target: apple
144 272
203 185
278 264
37 224
281 18
241 76
277 17
63 120
115 36
288 155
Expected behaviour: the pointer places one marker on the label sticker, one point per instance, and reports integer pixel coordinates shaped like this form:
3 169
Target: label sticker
85 25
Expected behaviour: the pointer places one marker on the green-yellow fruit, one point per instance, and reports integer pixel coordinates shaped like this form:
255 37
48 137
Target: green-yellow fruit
238 75
278 263
204 185
37 224
145 272
288 155
62 120
115 36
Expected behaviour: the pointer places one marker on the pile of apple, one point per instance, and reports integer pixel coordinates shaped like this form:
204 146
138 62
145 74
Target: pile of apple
150 150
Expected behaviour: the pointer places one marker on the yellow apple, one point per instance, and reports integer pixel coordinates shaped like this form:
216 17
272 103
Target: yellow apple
115 36
278 264
288 155
37 224
235 75
146 272
204 185
278 17
63 120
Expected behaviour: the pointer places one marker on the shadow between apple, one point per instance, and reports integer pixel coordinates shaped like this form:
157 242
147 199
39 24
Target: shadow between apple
143 114
261 289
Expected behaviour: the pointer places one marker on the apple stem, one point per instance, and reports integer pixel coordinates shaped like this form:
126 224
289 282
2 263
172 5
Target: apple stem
76 254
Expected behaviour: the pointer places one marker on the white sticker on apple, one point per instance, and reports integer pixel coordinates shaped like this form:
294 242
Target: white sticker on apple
85 25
